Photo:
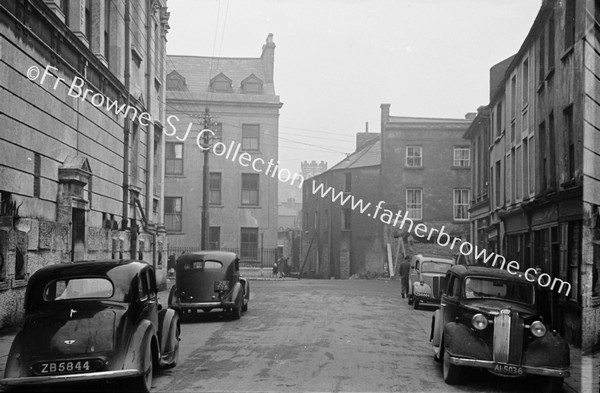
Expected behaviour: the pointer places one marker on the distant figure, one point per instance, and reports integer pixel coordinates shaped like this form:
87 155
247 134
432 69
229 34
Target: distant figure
275 270
544 298
404 271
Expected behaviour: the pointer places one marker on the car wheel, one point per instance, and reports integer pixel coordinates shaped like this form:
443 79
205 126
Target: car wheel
237 309
173 362
416 304
410 300
552 385
451 371
143 383
247 297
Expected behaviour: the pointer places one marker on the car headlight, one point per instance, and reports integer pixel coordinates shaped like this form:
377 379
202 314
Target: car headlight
479 321
538 329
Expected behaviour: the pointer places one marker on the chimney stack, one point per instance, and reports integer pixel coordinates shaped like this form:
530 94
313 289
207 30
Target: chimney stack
268 58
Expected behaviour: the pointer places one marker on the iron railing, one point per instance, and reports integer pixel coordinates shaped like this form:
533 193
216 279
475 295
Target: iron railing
265 257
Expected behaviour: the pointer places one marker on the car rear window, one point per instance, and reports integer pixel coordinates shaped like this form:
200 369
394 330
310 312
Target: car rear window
206 265
79 288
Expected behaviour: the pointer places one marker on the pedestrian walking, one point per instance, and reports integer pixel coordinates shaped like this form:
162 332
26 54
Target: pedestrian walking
275 270
404 271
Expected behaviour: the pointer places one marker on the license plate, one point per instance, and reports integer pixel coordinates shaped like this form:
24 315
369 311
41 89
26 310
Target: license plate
221 286
508 370
68 367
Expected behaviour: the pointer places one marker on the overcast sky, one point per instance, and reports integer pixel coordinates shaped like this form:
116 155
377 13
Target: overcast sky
336 61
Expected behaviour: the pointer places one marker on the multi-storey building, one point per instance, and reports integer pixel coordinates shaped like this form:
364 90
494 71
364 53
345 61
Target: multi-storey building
544 162
425 171
81 136
244 109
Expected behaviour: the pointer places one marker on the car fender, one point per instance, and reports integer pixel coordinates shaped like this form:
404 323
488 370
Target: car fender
168 323
143 334
460 340
236 290
246 286
15 367
436 332
548 351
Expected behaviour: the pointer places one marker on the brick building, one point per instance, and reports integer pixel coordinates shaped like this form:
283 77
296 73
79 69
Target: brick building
244 110
79 180
543 166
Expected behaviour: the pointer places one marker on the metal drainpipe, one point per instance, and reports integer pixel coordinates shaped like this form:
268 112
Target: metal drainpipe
126 128
150 133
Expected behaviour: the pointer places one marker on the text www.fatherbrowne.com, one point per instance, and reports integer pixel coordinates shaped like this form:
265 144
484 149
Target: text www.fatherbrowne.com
402 221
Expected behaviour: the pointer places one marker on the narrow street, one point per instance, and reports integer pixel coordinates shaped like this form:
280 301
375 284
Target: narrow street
317 335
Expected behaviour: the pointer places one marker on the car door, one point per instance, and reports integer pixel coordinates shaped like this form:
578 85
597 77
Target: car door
150 281
450 299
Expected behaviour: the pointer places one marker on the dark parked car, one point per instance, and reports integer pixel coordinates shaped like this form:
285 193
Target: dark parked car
207 280
488 319
91 321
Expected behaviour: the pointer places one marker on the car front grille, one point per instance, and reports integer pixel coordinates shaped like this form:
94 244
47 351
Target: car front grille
508 337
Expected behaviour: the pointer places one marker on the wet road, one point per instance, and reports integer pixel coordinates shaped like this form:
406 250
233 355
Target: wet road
318 336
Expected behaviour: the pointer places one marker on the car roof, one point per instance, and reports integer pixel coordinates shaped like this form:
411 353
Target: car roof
120 272
487 271
434 258
225 257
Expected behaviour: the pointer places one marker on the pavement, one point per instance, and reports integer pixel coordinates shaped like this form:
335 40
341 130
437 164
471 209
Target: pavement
585 368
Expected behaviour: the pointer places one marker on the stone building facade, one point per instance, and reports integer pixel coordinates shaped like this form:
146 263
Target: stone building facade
543 166
239 94
426 169
79 179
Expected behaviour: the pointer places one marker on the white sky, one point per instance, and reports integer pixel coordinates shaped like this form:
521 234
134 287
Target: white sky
336 61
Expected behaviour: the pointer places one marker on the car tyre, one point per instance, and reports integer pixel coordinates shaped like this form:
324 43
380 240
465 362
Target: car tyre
143 383
416 304
176 351
246 296
237 309
451 371
552 385
410 298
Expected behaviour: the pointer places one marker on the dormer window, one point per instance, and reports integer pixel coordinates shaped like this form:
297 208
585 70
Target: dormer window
175 81
220 83
252 85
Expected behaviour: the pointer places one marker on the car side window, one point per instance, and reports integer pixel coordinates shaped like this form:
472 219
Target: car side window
151 283
142 288
456 287
449 284
417 265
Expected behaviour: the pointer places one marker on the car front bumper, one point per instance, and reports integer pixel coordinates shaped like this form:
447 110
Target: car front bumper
545 371
67 378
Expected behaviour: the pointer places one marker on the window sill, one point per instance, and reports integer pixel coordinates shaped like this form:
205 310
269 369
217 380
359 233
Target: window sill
410 168
4 286
461 167
249 207
175 176
216 206
175 233
19 283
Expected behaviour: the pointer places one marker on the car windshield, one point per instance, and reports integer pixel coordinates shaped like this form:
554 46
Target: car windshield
78 288
484 287
435 267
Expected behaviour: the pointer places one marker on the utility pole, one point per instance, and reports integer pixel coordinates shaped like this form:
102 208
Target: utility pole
205 184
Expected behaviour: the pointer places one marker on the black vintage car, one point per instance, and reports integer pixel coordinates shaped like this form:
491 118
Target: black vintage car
488 319
207 280
93 321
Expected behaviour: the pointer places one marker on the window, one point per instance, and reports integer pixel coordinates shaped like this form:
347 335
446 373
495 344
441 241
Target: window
461 204
107 6
531 165
551 151
525 173
346 219
347 182
37 174
252 85
568 140
513 97
519 173
513 172
214 238
175 81
173 214
551 43
214 188
499 119
525 84
88 20
221 83
174 158
250 135
218 130
462 156
249 243
541 58
497 183
569 23
414 203
250 189
414 156
543 156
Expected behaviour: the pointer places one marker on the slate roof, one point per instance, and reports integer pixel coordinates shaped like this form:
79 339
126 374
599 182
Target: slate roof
199 70
368 155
